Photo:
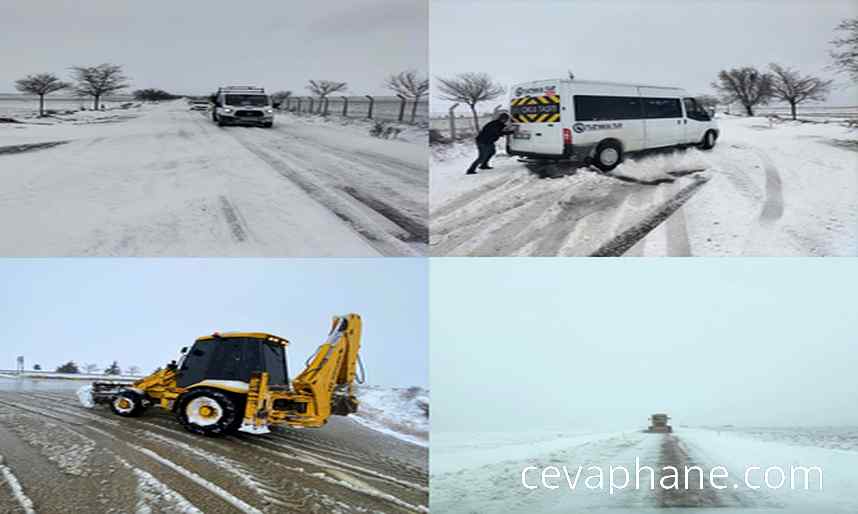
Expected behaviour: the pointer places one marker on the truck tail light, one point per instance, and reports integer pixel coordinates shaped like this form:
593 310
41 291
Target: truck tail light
567 136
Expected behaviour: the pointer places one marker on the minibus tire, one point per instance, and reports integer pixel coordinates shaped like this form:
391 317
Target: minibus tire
602 147
708 141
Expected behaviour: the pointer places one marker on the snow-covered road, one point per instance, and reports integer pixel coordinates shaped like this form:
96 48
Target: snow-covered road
58 456
785 188
163 180
483 472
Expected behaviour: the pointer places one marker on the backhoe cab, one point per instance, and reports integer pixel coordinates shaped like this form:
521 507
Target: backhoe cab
239 381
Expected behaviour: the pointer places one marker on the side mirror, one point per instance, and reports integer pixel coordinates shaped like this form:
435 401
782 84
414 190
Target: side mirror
184 349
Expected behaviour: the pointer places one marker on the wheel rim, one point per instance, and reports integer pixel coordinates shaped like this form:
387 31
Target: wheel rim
609 156
709 139
123 404
203 411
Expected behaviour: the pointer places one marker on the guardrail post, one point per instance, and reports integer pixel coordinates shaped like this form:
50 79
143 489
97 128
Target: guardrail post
345 107
453 122
371 102
401 107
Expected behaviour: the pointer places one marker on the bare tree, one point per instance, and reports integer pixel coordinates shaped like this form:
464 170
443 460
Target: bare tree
748 86
845 53
97 81
113 369
41 84
409 85
470 89
279 97
133 370
792 88
323 88
90 368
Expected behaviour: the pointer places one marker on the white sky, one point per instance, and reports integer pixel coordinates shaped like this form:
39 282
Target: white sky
194 46
532 343
142 311
679 43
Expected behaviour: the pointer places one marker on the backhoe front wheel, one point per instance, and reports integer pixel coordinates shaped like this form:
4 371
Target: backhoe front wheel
128 404
209 412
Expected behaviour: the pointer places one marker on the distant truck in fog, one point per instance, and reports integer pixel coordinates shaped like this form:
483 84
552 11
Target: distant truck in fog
242 105
658 424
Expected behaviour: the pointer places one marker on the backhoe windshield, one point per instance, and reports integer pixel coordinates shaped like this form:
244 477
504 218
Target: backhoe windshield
247 100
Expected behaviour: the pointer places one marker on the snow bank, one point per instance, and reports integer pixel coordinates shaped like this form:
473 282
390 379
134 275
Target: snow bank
84 394
737 451
414 134
400 412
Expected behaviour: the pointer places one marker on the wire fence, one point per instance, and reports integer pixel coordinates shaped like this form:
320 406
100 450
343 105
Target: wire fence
385 108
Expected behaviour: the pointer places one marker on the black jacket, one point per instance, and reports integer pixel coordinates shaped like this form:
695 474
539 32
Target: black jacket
492 131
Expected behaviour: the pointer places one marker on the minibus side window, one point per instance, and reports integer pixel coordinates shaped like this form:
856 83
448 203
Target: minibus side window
602 108
662 108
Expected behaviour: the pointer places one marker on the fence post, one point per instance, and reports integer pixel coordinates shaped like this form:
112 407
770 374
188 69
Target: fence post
287 103
311 104
371 102
453 122
325 113
345 107
298 108
401 107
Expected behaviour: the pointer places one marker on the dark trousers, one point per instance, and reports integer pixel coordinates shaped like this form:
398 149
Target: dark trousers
486 150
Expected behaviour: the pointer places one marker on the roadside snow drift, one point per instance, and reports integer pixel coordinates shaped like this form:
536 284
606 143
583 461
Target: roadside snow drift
400 412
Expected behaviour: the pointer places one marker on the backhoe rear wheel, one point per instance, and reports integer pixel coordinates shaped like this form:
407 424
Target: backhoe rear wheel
209 412
128 404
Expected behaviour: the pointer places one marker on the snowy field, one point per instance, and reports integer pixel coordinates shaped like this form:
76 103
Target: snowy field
98 462
161 180
767 188
481 472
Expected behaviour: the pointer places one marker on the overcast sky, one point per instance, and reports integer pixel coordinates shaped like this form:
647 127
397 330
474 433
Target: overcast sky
142 311
523 344
194 46
677 43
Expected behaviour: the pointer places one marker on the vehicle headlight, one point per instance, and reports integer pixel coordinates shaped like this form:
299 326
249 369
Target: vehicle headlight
269 110
227 109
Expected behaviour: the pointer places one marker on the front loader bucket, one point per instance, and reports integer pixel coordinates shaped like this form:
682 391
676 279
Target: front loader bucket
104 392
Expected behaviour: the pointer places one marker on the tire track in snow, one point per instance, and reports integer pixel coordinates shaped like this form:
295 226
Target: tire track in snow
618 245
341 473
236 224
773 208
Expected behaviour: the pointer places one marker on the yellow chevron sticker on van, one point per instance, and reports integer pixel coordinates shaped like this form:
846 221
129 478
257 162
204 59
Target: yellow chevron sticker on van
535 109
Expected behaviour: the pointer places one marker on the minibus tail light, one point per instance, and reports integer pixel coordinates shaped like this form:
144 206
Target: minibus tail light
567 136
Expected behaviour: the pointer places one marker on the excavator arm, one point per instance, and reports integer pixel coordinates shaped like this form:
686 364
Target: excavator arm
331 372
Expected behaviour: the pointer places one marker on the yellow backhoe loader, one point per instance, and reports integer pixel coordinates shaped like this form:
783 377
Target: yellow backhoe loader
239 381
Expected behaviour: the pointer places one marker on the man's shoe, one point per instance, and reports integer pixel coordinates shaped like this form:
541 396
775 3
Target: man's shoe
470 172
486 168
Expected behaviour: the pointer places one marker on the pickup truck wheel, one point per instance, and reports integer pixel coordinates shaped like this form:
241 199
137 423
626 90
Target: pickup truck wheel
268 125
208 412
128 404
608 155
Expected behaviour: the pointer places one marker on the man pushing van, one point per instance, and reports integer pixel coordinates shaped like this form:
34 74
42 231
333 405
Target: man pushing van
486 139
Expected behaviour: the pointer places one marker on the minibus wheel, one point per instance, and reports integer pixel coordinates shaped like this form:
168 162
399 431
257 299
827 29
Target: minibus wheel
608 155
708 140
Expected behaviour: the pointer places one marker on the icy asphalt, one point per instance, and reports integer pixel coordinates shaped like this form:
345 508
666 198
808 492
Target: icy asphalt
166 181
66 458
